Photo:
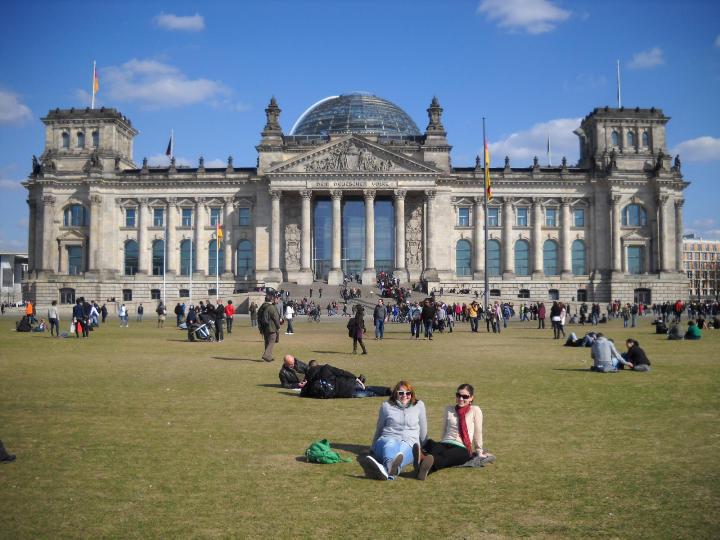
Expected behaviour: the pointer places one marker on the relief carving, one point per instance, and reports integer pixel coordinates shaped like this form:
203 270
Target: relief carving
292 246
348 157
413 239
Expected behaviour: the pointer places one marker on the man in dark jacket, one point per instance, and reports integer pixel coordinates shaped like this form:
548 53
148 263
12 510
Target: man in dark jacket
289 371
428 317
379 314
269 323
77 314
327 382
219 313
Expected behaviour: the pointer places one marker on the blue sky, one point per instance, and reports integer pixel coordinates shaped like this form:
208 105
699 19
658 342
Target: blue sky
207 71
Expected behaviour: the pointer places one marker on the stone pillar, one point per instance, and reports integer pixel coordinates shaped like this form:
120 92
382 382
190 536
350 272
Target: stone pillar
430 272
32 257
198 251
400 265
305 276
94 238
678 234
565 244
663 228
143 255
479 238
172 247
537 252
228 238
589 240
507 245
49 245
275 231
369 274
616 244
335 276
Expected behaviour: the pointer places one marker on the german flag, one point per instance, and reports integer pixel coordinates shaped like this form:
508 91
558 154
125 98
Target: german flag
488 183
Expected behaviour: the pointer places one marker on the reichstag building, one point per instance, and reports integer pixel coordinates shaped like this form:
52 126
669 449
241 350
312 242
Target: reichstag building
355 188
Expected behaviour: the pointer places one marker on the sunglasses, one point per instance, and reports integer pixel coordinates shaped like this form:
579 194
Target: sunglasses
462 396
401 393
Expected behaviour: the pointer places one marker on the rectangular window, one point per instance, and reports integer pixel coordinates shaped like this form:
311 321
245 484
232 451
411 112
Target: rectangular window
463 217
244 217
127 295
75 259
215 216
551 217
635 259
522 217
158 217
493 217
155 294
130 214
187 214
579 217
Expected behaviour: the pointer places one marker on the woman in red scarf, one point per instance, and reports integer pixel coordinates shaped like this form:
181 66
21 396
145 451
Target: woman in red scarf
462 436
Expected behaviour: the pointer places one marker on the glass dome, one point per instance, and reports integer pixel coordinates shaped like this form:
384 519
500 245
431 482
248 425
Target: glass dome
355 113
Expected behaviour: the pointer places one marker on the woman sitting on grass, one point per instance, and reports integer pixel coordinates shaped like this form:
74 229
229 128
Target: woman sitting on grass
693 331
636 356
462 436
401 425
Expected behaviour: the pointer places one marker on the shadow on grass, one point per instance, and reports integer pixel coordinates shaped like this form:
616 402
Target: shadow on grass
236 359
357 449
585 370
329 352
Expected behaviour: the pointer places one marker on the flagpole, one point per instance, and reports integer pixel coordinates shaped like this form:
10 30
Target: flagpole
485 213
619 88
92 105
192 242
165 254
217 262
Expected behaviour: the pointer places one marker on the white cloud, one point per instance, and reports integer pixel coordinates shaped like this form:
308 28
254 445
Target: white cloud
532 16
10 185
161 160
707 228
11 110
522 146
700 149
717 41
216 163
156 84
188 23
647 59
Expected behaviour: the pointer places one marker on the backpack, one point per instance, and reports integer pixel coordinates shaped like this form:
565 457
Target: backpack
321 452
322 389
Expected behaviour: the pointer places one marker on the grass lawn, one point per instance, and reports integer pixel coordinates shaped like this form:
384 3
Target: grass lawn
136 433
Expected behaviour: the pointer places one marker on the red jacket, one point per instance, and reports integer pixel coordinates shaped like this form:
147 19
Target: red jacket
229 310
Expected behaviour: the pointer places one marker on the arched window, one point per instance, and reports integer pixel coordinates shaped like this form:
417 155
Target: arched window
630 138
95 139
634 215
463 265
75 216
493 258
615 138
131 258
522 258
646 139
244 258
187 257
578 258
550 258
213 262
66 142
80 139
158 257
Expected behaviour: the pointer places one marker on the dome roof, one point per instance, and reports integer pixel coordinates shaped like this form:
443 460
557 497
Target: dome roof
355 113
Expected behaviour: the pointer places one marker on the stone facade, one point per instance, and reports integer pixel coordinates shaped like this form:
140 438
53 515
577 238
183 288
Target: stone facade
609 227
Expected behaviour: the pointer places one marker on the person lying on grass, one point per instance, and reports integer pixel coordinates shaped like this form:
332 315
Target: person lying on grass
327 382
401 424
462 437
291 368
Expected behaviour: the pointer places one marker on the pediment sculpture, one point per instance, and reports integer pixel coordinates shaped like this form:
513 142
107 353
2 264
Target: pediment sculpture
348 157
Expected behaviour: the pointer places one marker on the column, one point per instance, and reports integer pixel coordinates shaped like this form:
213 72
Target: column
335 276
228 237
32 257
369 274
275 231
400 265
537 253
143 258
200 261
49 245
663 230
507 245
430 271
172 248
305 254
95 233
479 239
566 256
589 240
616 245
678 234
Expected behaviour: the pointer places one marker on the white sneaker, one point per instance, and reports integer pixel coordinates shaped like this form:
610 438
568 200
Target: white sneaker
372 468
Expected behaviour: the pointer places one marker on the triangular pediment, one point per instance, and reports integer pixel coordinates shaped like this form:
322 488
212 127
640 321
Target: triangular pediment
70 235
351 155
634 236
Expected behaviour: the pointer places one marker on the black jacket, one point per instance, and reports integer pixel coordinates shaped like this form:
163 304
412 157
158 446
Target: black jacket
219 312
636 356
341 383
288 376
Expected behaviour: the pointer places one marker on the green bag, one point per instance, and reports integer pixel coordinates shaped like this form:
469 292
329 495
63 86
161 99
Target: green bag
320 452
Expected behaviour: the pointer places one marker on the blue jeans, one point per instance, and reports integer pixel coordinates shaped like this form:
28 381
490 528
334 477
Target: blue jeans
415 328
473 324
379 328
290 329
386 448
428 328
